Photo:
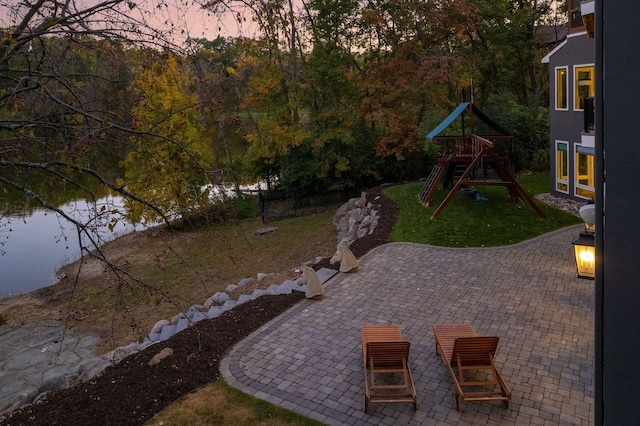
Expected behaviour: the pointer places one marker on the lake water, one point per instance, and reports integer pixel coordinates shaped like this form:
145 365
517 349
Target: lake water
35 245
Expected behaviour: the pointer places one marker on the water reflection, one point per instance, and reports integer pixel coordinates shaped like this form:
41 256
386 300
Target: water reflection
33 246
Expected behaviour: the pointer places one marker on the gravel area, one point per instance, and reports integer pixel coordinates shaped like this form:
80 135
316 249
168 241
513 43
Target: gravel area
565 204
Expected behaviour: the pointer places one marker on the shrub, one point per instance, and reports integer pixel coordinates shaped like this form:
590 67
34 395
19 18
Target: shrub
540 161
240 207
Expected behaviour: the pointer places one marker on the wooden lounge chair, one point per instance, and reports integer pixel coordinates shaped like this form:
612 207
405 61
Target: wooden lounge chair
463 350
385 353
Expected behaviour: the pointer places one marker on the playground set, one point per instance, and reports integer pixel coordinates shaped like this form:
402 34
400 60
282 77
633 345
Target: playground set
467 160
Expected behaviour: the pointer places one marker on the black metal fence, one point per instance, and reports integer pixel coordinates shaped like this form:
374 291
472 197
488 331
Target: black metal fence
275 205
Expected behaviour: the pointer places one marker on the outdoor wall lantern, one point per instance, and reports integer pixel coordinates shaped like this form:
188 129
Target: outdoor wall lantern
585 251
584 244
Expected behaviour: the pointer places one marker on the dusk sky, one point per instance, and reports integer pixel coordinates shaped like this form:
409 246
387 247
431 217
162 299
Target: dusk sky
186 17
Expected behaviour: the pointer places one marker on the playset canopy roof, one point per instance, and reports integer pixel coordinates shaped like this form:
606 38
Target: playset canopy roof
472 110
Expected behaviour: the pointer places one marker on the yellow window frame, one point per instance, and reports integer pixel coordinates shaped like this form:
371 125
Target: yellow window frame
584 84
562 166
585 173
562 75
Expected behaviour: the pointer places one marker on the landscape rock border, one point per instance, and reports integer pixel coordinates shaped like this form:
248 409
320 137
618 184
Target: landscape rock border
164 329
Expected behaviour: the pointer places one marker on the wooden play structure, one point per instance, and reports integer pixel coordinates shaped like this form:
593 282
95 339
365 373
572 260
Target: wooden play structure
468 156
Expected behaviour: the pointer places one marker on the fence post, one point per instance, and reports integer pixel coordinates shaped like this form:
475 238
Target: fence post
261 205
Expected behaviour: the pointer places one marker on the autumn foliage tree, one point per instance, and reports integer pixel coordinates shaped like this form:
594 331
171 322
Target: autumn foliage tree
331 95
65 70
339 148
169 164
410 72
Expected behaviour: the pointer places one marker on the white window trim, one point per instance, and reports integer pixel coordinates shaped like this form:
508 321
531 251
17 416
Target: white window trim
577 185
573 83
565 182
555 101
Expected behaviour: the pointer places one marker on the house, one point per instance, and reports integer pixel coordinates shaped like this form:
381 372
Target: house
571 117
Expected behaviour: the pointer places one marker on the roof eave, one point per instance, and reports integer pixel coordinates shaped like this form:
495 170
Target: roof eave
548 56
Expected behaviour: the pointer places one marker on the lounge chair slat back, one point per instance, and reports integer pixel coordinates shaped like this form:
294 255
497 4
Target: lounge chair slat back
475 350
378 333
388 353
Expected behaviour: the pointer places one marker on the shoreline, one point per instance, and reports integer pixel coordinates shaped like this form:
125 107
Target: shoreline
61 273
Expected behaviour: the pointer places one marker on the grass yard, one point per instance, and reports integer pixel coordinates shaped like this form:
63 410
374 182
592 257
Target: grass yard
466 222
220 404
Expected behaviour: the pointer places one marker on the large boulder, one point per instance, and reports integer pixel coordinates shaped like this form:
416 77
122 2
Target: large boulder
217 299
158 326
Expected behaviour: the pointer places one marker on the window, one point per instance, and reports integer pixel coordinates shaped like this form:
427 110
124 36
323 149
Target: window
561 88
575 17
562 167
584 84
585 171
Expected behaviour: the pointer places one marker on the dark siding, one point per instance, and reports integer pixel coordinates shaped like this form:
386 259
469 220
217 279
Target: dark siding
567 125
619 237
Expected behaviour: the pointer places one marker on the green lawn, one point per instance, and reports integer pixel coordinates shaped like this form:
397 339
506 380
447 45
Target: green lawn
466 222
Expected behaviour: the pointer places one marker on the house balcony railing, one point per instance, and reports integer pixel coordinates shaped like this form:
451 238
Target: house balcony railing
589 115
462 147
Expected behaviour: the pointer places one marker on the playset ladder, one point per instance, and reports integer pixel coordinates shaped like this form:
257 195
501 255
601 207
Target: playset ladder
431 183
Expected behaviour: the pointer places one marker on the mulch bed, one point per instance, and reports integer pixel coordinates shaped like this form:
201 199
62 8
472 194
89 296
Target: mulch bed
131 392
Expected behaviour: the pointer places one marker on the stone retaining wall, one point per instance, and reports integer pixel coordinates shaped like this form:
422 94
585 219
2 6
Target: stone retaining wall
355 219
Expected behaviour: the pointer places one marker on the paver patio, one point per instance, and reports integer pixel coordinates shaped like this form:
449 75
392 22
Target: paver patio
309 359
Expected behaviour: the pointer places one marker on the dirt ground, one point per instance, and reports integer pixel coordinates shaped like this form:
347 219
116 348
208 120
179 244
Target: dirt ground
157 273
132 391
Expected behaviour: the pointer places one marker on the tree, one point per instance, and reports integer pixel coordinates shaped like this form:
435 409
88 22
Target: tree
64 72
340 146
168 167
421 45
273 98
222 82
65 107
274 134
505 56
504 48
